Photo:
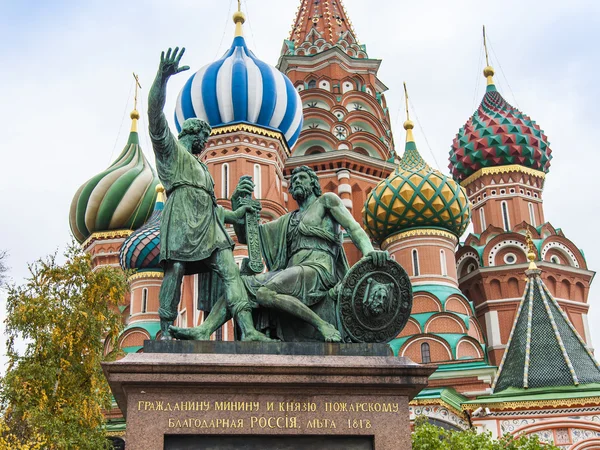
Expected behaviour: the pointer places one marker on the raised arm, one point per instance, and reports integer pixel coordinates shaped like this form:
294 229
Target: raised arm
169 65
360 238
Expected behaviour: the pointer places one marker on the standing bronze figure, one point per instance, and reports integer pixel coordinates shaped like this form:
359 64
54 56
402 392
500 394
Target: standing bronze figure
193 238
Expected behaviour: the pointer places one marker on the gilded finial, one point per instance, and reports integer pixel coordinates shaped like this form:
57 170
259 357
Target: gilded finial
488 72
160 193
531 251
408 125
239 18
135 115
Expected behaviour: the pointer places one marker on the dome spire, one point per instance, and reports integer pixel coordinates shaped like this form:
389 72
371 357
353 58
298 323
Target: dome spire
531 252
488 72
239 18
411 159
135 115
408 124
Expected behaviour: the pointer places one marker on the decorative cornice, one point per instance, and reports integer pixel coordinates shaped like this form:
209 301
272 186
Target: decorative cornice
502 169
416 233
148 274
106 235
438 402
251 129
567 402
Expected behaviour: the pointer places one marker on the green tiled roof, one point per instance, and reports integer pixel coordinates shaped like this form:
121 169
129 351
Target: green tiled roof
539 395
451 338
442 292
447 395
544 349
152 328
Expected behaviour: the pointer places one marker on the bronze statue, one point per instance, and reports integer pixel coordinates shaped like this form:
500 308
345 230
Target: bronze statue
193 238
306 261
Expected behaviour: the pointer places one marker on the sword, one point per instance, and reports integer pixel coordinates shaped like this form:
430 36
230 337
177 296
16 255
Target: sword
253 263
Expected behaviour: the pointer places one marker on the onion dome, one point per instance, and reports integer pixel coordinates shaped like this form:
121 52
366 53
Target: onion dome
498 134
239 88
415 196
141 250
120 197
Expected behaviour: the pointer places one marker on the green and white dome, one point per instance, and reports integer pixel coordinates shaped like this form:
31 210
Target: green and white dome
120 197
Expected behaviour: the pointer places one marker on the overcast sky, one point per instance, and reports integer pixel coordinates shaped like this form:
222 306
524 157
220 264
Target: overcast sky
66 91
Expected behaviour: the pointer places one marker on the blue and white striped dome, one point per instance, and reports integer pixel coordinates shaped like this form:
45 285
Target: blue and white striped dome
239 88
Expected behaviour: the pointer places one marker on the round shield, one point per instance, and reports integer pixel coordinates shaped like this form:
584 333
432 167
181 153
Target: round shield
374 303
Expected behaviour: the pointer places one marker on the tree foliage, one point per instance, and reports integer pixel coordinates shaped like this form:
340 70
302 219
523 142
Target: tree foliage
429 437
3 267
54 391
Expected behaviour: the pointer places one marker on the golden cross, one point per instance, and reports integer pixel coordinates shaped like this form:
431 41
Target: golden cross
137 85
406 99
487 62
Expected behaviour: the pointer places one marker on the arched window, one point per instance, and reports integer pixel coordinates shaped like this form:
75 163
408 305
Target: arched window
532 215
257 181
425 353
415 258
144 300
312 84
505 216
443 263
225 180
482 218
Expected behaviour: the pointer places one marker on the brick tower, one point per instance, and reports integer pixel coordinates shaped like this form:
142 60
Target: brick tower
347 137
501 157
418 215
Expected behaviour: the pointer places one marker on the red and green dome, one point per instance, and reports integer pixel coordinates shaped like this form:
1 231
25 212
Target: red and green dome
498 134
414 196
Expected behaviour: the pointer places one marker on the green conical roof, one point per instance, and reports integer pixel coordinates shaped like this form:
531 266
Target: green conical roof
544 349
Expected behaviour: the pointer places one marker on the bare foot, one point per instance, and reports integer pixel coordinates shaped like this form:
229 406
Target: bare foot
330 333
189 334
256 336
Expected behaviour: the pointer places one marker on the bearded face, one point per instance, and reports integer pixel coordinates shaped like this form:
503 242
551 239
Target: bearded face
198 143
376 301
301 187
300 192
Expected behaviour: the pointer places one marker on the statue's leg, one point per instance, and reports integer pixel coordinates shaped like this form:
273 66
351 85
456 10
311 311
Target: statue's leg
169 296
291 305
236 295
215 320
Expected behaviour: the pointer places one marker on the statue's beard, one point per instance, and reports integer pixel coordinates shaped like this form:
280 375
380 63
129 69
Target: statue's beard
300 193
197 146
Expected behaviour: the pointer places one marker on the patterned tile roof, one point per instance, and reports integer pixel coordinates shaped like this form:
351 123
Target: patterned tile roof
498 134
415 195
544 349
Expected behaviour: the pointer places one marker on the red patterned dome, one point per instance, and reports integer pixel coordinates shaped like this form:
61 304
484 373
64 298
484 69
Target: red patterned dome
498 134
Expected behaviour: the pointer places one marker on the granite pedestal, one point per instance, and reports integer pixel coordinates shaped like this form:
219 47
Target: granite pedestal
285 396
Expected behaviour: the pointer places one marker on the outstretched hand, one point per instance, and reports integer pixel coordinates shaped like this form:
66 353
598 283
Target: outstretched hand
169 63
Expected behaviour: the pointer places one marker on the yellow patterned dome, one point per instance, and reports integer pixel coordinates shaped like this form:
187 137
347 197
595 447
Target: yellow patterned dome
415 196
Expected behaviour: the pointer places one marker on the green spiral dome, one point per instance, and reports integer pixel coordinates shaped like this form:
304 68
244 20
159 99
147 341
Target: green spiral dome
120 197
